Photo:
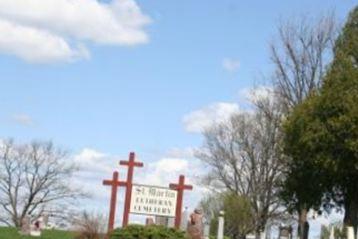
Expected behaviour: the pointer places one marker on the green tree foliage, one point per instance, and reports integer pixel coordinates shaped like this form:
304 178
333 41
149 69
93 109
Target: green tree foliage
335 113
322 133
147 232
239 217
306 181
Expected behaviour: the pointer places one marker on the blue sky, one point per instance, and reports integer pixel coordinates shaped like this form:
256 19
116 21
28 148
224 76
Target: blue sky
121 95
134 98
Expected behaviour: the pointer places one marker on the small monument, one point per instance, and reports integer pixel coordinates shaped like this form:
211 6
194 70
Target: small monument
36 228
26 225
350 233
285 232
162 221
195 228
149 221
221 225
206 230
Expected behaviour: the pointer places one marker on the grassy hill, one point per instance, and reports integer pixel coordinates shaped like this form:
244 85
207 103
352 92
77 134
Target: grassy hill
11 233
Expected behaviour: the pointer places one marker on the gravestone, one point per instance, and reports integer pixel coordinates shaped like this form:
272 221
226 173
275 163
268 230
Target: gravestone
162 221
206 230
285 232
350 233
195 227
221 226
35 229
331 233
26 225
263 235
149 221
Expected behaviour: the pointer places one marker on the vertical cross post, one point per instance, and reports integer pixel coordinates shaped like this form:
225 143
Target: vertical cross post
180 187
114 183
127 202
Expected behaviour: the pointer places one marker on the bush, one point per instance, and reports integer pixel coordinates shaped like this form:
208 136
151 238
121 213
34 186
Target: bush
147 232
89 226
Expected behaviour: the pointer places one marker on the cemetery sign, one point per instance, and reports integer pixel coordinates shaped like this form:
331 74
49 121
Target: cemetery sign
145 199
153 200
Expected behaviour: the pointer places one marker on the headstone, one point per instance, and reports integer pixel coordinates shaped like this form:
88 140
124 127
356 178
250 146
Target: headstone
36 228
26 225
331 234
195 227
285 232
250 236
206 230
162 221
221 226
263 235
149 221
350 233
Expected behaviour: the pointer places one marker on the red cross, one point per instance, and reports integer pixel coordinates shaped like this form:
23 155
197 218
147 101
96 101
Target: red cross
180 188
112 209
131 164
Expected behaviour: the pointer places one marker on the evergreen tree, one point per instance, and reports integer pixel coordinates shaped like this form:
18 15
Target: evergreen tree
322 132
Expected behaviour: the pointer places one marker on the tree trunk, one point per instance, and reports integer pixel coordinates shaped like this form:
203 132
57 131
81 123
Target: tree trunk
351 212
303 225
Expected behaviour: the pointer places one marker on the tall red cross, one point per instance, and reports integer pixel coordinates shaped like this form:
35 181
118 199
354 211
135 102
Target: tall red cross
112 209
180 188
131 164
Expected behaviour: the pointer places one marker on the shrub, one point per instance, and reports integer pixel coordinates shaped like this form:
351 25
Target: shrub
89 226
147 232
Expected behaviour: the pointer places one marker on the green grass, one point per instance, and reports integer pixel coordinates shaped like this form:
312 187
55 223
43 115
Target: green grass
11 233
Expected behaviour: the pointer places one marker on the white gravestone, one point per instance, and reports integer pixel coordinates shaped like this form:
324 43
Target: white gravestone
206 231
350 233
331 234
221 226
263 235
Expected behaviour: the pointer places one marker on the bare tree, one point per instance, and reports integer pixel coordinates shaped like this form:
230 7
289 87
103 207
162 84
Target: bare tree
300 56
34 178
245 157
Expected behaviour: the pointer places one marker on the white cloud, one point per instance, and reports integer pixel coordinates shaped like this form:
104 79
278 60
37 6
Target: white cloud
35 45
22 119
164 171
231 65
187 152
90 160
56 30
253 94
199 120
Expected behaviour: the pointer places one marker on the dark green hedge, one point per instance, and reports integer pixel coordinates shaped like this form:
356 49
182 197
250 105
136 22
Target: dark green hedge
147 232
